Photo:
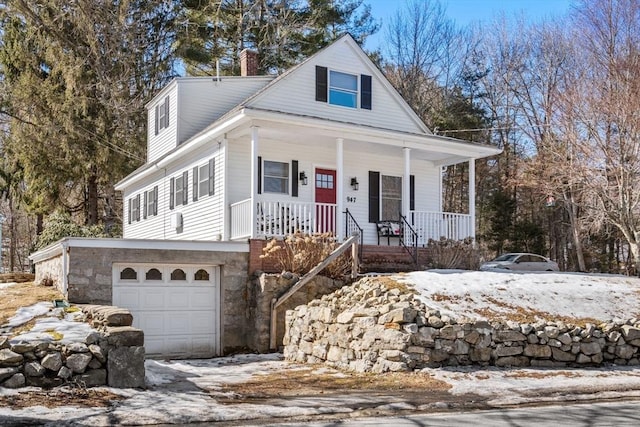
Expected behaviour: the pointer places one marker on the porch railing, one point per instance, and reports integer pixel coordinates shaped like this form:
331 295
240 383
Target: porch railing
241 219
278 219
436 225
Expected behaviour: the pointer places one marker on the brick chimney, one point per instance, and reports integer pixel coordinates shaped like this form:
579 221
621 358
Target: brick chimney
248 63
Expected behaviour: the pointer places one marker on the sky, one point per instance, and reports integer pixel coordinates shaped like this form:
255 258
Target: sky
465 12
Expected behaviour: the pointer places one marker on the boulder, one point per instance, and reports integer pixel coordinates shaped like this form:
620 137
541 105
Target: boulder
52 362
125 367
78 362
10 358
34 369
16 381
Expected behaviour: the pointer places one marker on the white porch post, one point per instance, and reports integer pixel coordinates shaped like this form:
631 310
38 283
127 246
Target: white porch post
339 189
254 179
472 198
406 184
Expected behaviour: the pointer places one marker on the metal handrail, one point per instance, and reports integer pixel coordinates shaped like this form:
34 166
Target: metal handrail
412 248
351 226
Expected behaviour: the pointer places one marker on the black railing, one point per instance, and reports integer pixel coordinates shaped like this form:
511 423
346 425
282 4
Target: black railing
350 227
409 238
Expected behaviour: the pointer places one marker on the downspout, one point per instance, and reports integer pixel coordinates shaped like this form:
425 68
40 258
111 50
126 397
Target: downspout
65 268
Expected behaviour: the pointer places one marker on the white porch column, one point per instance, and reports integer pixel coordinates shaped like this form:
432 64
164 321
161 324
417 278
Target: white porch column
254 179
472 198
339 189
406 183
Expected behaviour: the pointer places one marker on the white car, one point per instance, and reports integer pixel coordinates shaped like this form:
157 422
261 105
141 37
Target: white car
520 262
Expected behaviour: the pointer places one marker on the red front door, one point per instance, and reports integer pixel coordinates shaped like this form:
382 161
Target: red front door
325 184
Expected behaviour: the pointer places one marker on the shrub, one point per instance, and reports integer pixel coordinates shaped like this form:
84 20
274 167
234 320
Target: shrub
298 253
60 224
447 253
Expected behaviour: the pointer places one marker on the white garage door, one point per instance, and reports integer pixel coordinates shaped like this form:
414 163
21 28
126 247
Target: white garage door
177 307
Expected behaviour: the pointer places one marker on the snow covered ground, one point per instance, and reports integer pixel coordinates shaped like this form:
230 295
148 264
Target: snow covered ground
188 391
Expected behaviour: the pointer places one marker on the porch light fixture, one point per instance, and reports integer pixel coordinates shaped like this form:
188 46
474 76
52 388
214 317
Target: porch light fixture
354 183
303 178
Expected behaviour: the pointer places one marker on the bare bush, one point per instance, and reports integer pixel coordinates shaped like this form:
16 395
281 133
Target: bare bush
298 253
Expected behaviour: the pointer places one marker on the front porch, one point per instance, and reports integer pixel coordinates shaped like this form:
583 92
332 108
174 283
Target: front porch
278 219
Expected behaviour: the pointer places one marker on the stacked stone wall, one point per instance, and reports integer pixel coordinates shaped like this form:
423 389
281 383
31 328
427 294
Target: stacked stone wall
372 327
113 355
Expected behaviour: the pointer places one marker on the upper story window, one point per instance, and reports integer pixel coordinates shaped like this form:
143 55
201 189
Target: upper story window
339 88
134 208
178 191
203 180
151 202
343 89
276 177
162 115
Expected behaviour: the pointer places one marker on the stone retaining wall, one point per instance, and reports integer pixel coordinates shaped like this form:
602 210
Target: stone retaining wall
113 355
372 327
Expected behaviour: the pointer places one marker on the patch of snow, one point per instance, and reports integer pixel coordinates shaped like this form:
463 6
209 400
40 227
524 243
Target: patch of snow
7 284
468 294
25 314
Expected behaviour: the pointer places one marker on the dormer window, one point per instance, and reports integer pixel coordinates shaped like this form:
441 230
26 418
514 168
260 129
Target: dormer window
339 88
162 115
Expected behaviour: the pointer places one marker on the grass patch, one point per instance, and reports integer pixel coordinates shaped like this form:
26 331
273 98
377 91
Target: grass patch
314 381
24 295
16 277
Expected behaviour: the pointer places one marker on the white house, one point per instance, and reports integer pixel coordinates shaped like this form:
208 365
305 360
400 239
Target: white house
329 146
237 158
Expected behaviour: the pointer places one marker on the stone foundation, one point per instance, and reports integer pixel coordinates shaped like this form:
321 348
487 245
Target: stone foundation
113 355
368 327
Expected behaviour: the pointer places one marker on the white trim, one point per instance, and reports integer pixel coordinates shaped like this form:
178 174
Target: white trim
56 248
472 197
339 188
255 146
406 183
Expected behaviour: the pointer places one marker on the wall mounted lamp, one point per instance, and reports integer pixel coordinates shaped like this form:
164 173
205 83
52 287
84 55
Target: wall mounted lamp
354 183
303 178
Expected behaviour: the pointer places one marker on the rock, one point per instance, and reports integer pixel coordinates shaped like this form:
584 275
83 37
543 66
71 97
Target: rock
562 356
399 315
435 321
65 373
630 332
537 351
34 369
10 358
7 372
125 367
582 359
16 381
126 336
503 351
590 348
97 352
78 362
23 347
92 378
77 347
4 343
624 351
44 382
52 362
345 317
508 335
512 361
480 354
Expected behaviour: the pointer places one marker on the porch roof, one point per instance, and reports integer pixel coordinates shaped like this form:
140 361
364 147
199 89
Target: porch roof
440 150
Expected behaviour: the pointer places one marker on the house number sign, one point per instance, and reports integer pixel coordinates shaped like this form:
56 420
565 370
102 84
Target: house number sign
351 199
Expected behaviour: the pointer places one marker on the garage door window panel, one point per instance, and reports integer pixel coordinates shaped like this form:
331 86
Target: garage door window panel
201 275
178 275
128 274
153 274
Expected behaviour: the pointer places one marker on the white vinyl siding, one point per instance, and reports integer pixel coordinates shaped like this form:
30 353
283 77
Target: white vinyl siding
386 111
195 103
202 220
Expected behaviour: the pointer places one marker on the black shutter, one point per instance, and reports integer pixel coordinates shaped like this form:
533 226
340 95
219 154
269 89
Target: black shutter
166 112
129 221
365 92
155 200
412 193
138 206
321 83
374 196
144 206
259 175
212 173
172 191
294 178
185 187
156 118
195 184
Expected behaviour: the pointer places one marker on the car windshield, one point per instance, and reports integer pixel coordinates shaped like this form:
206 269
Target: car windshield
506 257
